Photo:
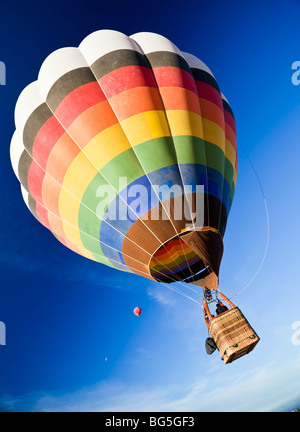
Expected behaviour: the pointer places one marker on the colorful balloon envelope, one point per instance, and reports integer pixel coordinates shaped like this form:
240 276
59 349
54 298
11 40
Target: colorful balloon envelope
125 149
137 311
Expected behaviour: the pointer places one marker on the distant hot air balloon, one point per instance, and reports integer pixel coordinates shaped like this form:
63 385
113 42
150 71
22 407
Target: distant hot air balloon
125 149
137 311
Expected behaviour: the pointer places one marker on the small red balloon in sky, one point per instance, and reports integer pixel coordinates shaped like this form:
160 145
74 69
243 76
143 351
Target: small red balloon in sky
137 311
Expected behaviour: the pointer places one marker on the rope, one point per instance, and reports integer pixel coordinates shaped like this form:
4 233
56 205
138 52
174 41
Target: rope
268 229
178 291
263 258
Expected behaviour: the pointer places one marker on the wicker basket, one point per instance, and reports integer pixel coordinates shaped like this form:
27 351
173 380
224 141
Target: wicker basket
233 334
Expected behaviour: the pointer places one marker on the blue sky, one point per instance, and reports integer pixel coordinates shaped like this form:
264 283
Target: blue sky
73 343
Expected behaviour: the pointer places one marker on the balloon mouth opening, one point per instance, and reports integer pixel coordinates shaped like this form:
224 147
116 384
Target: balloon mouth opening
176 260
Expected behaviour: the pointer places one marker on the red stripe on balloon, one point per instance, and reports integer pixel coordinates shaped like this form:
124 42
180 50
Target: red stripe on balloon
206 91
45 140
230 120
126 78
35 181
78 101
170 76
42 215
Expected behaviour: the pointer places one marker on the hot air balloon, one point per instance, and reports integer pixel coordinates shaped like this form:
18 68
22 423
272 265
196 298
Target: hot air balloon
137 311
125 149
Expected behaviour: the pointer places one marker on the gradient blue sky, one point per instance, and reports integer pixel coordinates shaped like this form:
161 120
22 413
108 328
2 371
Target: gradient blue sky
73 343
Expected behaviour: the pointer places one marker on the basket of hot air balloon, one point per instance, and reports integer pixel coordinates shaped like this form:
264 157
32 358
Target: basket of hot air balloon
231 332
125 149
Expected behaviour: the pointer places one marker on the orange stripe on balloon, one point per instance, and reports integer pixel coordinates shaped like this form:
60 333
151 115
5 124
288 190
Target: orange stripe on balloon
212 112
230 120
141 99
35 181
42 215
179 98
68 244
61 157
206 91
230 135
91 122
50 193
56 226
57 229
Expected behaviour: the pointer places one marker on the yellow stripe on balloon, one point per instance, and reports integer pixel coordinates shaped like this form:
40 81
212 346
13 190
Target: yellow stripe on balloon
214 134
234 176
183 122
106 146
145 126
74 186
100 150
230 153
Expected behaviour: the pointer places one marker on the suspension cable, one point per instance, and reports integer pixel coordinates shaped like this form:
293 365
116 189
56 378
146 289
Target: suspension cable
268 228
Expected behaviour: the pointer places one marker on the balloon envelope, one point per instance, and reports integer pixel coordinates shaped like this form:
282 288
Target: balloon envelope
118 144
137 311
